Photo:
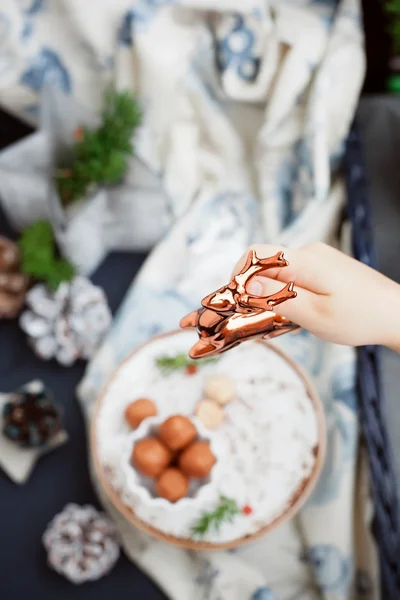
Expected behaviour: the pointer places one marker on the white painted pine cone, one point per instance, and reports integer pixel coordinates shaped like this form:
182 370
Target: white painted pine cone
82 543
67 324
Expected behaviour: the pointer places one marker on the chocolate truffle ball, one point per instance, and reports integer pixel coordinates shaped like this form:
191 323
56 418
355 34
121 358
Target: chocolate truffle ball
197 460
172 485
139 410
177 432
209 413
150 457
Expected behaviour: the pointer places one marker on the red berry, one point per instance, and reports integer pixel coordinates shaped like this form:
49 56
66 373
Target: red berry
78 134
247 510
191 369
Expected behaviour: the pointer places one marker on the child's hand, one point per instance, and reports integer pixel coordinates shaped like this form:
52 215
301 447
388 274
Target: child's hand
338 298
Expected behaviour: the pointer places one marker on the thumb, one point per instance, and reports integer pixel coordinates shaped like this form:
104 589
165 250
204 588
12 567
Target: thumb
302 310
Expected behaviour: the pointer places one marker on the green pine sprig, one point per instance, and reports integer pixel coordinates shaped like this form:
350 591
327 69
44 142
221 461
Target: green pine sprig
100 156
168 364
39 257
392 8
225 510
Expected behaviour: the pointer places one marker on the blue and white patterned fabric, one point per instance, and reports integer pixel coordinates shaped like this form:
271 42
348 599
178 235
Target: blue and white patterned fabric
246 111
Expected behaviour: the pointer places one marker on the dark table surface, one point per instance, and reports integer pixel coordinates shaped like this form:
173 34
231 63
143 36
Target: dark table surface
62 476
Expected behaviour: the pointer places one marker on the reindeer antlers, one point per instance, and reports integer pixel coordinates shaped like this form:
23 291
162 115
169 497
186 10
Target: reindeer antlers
255 265
234 297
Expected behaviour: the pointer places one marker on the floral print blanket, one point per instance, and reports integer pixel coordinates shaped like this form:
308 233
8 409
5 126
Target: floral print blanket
247 106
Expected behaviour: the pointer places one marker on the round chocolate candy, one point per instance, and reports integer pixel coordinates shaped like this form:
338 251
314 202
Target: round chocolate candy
177 432
172 485
30 418
197 460
150 457
137 411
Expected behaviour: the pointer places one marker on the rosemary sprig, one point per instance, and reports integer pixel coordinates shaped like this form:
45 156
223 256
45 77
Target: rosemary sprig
168 364
225 510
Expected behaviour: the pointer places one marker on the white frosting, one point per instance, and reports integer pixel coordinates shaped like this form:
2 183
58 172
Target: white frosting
265 444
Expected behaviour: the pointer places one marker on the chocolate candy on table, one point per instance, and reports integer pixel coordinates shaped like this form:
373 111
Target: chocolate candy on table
30 418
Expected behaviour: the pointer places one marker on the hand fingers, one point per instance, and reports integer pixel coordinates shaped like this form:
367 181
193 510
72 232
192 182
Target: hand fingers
302 310
295 331
306 267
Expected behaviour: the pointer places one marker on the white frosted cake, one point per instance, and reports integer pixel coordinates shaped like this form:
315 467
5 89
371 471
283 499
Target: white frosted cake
266 445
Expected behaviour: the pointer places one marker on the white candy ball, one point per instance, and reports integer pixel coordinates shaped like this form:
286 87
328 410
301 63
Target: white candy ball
219 388
209 413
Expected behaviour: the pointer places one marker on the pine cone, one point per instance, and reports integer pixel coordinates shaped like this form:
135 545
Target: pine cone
13 284
82 544
67 324
30 418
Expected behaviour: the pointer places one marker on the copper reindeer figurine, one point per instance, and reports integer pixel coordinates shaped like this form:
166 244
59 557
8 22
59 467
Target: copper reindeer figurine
231 315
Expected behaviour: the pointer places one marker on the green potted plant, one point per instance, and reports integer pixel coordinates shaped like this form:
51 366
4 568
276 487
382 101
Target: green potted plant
81 172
